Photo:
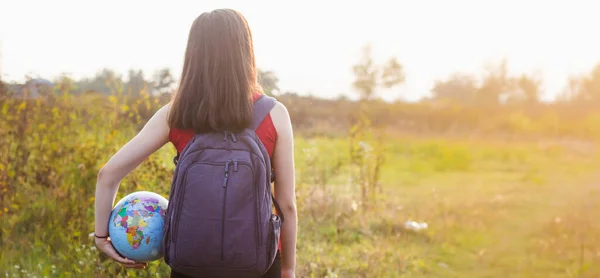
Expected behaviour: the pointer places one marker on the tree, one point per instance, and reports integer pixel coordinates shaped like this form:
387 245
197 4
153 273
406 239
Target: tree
136 82
584 88
458 88
392 73
496 84
163 80
105 81
365 74
570 92
3 89
529 88
524 89
590 85
65 84
368 76
268 81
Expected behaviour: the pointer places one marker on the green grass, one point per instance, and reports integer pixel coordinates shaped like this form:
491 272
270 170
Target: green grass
487 219
490 207
494 208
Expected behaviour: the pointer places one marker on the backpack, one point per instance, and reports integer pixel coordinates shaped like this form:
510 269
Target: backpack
220 220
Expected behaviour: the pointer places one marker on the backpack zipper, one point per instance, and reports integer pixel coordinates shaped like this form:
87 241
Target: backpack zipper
226 177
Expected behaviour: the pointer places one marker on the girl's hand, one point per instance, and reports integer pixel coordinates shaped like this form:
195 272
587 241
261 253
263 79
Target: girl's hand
107 248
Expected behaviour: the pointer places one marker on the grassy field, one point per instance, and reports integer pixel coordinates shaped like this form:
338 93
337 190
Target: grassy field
494 208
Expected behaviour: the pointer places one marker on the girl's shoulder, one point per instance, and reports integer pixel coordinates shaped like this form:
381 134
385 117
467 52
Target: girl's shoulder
280 118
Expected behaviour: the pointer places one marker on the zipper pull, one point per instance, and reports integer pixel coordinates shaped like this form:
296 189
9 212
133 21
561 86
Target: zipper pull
225 179
235 165
226 173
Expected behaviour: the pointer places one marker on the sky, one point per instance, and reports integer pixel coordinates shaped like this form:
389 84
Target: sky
310 45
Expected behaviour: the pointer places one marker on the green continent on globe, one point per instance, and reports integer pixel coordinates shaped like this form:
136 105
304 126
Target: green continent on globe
134 215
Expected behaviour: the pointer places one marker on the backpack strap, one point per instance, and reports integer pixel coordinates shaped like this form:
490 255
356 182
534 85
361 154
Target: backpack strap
262 108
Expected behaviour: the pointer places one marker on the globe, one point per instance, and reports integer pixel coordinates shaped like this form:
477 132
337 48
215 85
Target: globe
136 226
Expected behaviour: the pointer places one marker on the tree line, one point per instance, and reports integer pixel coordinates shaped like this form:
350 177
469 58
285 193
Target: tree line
107 81
494 87
496 101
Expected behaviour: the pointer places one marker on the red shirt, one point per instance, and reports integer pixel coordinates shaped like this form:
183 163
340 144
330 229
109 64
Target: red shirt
266 133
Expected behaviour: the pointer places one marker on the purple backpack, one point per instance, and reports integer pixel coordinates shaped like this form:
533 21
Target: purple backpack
220 220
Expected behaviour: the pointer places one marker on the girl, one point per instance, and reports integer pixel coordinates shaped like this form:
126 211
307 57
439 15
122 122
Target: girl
216 92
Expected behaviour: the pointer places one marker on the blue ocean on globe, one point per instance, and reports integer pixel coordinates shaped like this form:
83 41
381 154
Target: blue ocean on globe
136 226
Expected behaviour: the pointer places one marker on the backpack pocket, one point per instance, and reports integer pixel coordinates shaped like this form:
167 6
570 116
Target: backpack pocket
197 223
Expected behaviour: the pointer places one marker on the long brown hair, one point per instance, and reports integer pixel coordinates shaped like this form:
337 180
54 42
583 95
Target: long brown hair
219 75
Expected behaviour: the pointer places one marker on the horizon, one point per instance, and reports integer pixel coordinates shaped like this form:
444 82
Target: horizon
311 50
